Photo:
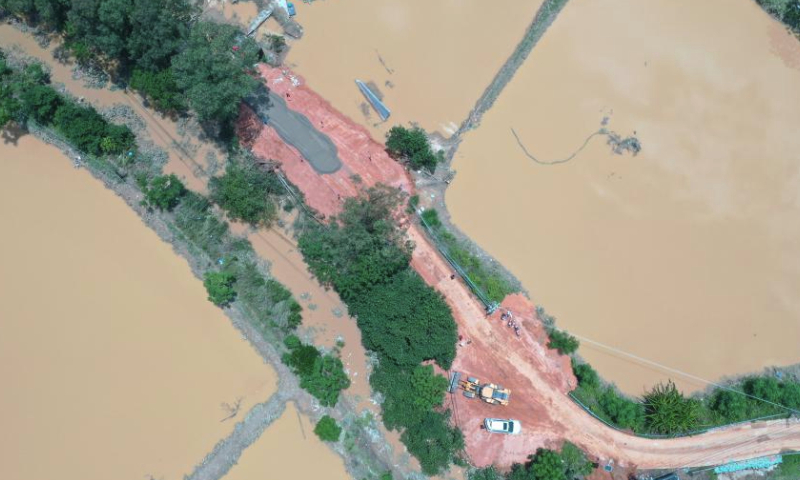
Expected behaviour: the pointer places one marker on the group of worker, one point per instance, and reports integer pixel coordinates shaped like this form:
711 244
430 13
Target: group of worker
508 317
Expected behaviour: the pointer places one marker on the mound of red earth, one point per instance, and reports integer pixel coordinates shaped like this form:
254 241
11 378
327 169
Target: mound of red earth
539 378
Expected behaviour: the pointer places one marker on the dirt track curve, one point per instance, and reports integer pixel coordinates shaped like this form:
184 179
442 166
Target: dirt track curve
539 378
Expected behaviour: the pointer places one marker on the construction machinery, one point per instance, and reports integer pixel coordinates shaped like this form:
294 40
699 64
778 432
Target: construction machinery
472 387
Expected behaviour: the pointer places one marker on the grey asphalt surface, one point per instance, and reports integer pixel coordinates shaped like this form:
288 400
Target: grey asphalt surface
296 130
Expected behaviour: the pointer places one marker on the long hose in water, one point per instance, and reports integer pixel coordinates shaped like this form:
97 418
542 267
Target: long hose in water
563 160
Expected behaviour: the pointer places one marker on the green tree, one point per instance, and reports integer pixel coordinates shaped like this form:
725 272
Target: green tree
576 465
214 70
565 343
361 247
668 411
547 465
586 375
433 441
219 286
730 406
164 192
408 394
40 102
246 192
302 359
407 321
326 380
158 28
487 473
159 88
791 14
328 430
412 146
623 412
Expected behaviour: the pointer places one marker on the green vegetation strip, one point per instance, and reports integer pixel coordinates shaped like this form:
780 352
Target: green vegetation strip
490 287
363 254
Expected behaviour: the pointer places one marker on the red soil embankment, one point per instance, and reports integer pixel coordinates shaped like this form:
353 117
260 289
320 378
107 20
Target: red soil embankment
538 377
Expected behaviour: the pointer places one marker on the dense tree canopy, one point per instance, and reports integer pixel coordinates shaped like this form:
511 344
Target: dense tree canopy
158 30
407 322
214 70
360 248
409 394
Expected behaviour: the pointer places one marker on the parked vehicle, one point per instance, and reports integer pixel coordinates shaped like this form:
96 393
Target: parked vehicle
497 425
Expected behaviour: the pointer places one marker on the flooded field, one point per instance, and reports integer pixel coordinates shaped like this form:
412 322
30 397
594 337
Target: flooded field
289 449
430 60
113 363
686 254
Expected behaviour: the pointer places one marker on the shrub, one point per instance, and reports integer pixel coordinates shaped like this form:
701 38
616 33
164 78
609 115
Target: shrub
327 429
431 217
565 343
220 288
164 192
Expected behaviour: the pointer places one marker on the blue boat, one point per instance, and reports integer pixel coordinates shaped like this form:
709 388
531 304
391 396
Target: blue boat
376 103
290 8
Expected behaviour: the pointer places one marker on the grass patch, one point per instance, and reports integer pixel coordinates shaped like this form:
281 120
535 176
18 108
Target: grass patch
488 279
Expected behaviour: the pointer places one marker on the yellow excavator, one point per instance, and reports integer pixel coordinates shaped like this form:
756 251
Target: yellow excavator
472 387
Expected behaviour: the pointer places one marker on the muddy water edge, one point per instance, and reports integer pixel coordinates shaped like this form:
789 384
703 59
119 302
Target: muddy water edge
319 321
114 364
685 254
429 60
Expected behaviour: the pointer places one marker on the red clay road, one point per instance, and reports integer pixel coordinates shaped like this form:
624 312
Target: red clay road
538 377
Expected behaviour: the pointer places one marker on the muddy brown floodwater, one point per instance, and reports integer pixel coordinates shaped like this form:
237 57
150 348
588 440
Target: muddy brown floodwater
687 254
112 361
430 60
289 449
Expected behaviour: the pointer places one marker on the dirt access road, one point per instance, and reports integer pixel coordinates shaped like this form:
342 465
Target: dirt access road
539 378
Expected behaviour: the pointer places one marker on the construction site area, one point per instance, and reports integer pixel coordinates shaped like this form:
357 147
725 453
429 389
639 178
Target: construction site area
507 362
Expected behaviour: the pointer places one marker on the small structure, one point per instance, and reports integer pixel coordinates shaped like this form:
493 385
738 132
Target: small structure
373 99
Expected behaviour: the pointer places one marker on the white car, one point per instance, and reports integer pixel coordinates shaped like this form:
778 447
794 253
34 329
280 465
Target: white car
497 425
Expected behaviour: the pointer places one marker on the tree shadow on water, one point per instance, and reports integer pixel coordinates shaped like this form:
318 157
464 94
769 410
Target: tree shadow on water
12 133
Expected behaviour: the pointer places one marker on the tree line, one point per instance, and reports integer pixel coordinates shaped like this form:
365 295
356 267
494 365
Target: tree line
158 47
362 253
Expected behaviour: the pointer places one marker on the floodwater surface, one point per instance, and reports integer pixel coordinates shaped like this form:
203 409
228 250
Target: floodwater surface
687 254
289 449
113 362
430 60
